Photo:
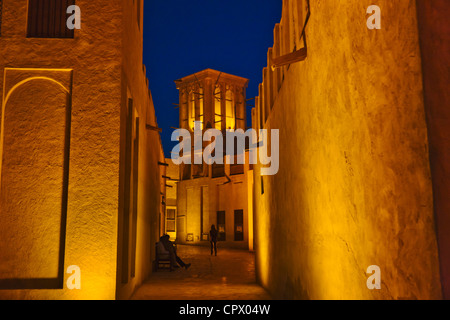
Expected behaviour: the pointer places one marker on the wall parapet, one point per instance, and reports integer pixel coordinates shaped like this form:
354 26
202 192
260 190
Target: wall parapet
289 47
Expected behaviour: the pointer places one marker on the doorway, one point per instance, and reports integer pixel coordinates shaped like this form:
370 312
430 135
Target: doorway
238 225
221 226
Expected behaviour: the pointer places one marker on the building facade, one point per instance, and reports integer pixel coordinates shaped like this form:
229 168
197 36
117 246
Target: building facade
170 178
80 176
362 175
219 194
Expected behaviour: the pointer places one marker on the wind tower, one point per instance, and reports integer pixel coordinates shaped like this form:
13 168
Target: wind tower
219 194
217 100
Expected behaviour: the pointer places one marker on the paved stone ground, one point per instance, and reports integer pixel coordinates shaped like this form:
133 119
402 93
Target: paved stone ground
228 276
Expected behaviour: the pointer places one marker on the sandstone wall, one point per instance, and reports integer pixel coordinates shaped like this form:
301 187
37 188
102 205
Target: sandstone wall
94 59
142 228
64 114
354 186
217 196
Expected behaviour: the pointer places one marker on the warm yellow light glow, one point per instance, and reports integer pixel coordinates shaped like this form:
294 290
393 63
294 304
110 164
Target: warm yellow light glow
217 109
250 206
191 109
7 95
230 109
262 230
193 96
201 103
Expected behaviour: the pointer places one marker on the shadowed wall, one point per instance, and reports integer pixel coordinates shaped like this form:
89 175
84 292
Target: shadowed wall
434 42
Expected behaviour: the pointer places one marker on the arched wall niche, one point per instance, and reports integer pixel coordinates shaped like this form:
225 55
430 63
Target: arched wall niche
34 164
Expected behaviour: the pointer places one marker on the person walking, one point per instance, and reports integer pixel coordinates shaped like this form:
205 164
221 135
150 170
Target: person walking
213 239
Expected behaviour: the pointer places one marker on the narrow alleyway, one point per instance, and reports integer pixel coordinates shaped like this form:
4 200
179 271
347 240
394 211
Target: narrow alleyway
228 276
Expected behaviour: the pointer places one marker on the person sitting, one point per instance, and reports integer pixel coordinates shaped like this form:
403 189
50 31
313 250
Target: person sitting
174 259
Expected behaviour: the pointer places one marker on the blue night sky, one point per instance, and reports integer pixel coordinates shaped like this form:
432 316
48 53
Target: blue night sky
182 37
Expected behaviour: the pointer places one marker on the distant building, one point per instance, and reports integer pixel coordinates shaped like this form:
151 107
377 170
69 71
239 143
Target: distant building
219 194
171 176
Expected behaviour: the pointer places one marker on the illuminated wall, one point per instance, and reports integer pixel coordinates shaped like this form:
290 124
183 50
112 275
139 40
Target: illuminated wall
139 225
199 200
35 125
354 186
172 174
67 137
